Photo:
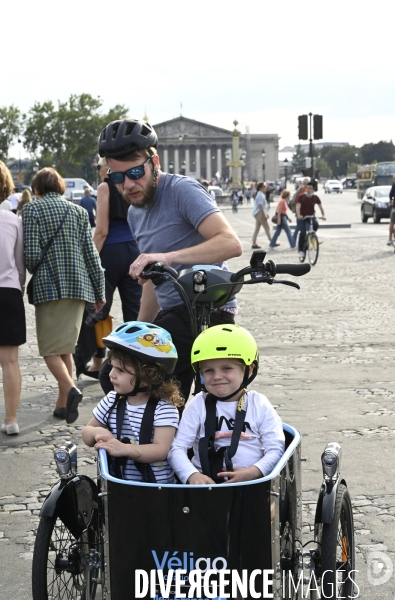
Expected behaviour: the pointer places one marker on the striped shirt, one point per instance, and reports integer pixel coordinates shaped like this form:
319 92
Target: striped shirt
71 268
165 415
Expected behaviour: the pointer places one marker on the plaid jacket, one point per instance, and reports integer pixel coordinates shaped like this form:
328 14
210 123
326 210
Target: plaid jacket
71 267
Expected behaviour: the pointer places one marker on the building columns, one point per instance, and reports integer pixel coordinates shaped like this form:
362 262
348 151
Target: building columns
208 163
187 162
165 161
176 161
219 162
198 167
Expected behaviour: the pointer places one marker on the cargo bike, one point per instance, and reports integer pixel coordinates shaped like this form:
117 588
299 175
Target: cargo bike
115 540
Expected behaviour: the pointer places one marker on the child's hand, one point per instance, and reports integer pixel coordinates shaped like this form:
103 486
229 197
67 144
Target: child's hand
102 435
241 474
199 479
113 446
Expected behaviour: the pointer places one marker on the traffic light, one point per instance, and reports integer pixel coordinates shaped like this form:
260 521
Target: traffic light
317 122
347 164
303 129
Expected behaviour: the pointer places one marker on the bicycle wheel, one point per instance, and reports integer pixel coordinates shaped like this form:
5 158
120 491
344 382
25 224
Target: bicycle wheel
56 552
313 247
338 551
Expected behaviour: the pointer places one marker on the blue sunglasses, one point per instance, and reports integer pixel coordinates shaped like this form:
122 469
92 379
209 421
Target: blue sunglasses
133 173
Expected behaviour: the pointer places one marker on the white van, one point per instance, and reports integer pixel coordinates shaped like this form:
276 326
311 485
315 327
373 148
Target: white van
75 189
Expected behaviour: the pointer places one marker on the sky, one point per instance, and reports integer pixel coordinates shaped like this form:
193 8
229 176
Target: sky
260 62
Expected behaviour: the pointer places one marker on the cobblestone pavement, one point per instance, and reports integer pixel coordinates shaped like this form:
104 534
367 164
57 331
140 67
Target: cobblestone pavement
327 360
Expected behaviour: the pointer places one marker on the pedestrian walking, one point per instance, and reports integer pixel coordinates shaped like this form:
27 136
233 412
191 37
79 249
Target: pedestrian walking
67 273
235 201
261 214
173 220
89 204
300 189
282 220
12 309
392 214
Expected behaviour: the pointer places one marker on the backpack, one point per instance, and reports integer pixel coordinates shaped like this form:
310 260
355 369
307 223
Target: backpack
292 202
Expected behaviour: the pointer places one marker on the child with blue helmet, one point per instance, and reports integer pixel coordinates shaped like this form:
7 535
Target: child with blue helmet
136 422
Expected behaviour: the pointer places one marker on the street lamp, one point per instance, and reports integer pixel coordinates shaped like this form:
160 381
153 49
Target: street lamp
20 164
263 164
183 167
228 157
285 172
171 166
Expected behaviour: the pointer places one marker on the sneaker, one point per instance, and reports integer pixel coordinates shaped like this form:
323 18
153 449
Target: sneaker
301 254
293 248
255 246
389 243
275 245
10 429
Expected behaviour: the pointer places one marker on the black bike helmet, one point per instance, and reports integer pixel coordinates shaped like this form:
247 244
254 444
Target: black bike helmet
122 137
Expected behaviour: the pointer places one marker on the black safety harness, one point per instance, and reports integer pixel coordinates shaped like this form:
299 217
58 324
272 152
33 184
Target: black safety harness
212 460
145 437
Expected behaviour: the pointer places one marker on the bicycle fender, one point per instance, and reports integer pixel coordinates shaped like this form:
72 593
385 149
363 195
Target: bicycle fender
74 502
326 502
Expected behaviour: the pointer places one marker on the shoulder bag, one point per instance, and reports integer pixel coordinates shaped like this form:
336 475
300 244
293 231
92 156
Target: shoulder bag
30 288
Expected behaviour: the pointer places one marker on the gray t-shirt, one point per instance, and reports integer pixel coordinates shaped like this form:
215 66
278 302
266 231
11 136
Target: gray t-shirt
171 223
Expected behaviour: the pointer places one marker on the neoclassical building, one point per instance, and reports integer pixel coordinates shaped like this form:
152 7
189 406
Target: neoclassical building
199 150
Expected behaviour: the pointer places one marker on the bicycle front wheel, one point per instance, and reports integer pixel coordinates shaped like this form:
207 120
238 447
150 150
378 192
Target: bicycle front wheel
313 247
338 550
52 578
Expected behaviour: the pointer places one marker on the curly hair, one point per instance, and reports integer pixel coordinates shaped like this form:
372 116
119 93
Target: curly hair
6 182
153 374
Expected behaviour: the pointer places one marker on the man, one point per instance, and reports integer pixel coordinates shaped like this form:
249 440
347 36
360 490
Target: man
173 220
305 205
301 189
205 184
392 215
89 203
14 199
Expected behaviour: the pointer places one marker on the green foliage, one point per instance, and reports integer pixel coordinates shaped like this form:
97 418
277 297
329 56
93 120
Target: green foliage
322 166
298 159
336 158
10 128
66 136
380 152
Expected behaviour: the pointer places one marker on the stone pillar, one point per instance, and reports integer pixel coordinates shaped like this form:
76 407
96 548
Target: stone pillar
198 173
187 162
219 161
208 163
176 161
165 168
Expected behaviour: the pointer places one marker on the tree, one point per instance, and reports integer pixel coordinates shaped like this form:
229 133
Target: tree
298 159
337 157
380 152
67 136
10 128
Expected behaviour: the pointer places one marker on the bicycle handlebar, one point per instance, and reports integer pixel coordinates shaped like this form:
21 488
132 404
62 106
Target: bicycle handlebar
293 269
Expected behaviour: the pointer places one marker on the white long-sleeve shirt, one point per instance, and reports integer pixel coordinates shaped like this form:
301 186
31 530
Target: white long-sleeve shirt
12 266
261 442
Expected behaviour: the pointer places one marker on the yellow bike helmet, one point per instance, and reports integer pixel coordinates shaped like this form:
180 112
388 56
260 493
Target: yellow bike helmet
225 341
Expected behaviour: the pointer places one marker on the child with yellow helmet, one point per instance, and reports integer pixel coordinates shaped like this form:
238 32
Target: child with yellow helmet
236 435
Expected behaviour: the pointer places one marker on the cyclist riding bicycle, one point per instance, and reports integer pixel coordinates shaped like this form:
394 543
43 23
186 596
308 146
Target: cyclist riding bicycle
305 205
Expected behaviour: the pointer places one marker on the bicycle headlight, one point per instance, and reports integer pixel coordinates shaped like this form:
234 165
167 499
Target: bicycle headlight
199 281
331 462
66 460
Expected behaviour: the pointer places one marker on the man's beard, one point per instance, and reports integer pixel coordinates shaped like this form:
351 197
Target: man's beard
148 196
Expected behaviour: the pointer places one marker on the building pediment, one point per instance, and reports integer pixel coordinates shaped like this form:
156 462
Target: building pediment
182 126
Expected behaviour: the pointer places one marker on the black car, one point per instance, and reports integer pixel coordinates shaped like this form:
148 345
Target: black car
375 203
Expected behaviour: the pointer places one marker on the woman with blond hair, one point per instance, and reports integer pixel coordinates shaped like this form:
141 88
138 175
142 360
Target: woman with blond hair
25 198
67 273
12 310
282 220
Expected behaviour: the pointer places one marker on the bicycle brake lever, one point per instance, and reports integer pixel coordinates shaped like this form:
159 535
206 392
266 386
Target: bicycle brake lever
290 283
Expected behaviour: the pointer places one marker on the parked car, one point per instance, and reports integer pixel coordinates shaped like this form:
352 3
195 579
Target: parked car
332 185
375 203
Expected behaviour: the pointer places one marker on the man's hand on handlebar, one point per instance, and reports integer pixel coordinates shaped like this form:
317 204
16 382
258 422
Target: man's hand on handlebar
145 259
